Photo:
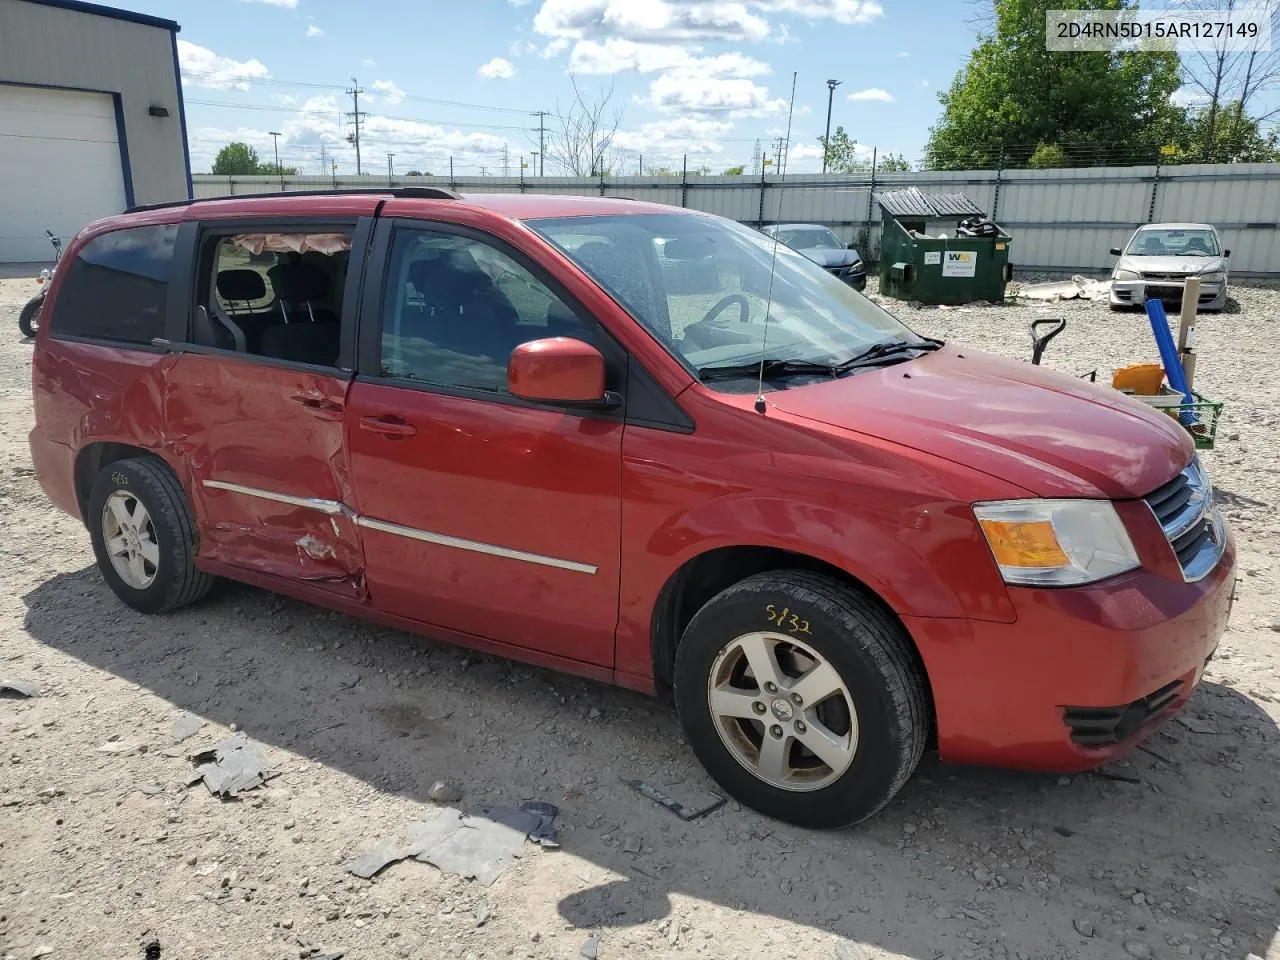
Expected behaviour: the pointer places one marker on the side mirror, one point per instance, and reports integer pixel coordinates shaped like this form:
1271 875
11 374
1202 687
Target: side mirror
1115 251
1226 253
557 370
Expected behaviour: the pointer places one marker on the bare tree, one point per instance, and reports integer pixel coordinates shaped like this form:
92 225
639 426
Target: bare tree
582 134
1229 82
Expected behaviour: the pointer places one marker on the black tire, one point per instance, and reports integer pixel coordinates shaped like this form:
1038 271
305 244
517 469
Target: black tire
874 658
176 580
28 317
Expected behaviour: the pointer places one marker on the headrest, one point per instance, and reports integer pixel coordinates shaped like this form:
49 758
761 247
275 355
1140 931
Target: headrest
241 285
296 282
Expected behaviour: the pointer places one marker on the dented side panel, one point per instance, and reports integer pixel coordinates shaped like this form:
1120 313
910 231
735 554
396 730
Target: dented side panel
262 454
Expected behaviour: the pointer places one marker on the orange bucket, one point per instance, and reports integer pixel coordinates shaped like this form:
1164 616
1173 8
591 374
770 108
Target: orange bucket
1144 379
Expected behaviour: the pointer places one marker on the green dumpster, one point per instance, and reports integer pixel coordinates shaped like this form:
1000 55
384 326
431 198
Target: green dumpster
940 248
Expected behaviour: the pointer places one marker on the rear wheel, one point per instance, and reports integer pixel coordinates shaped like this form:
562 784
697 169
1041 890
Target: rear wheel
144 536
802 697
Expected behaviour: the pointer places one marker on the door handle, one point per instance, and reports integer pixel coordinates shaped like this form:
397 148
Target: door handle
388 426
318 401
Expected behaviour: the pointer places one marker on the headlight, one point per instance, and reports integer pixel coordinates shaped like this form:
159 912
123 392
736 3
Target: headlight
1216 277
1126 275
1056 543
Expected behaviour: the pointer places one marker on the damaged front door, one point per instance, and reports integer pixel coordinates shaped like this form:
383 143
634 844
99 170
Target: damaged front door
255 404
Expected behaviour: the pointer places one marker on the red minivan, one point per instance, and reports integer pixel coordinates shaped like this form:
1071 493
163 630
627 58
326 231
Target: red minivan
640 444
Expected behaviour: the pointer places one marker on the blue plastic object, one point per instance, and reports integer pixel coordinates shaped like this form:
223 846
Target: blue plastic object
1169 357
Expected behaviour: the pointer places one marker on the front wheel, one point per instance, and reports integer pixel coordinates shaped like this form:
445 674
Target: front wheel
144 536
28 319
803 697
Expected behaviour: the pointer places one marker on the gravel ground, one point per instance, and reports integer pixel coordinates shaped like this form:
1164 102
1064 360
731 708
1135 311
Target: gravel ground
103 847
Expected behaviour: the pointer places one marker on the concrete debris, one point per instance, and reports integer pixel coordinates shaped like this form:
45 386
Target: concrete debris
187 725
1077 288
1084 927
476 848
589 949
231 767
686 812
18 690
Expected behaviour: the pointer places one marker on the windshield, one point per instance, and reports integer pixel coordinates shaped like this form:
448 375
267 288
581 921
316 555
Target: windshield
701 285
808 238
1173 243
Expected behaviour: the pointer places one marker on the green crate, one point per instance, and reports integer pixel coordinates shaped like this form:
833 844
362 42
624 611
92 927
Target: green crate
1207 412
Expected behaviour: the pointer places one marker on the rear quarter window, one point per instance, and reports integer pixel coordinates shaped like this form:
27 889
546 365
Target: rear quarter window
116 286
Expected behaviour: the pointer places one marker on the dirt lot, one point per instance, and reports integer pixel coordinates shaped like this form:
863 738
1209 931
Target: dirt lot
1175 852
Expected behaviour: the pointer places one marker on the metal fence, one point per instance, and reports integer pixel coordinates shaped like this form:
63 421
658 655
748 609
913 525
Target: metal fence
1062 221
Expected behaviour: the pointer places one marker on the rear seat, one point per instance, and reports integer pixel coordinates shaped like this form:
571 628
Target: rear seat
306 333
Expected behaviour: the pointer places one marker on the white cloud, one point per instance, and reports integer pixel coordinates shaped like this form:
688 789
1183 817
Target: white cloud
314 31
288 4
369 63
871 93
693 93
1186 97
388 91
664 139
616 56
904 55
497 69
556 47
649 20
842 11
204 68
925 83
520 48
517 3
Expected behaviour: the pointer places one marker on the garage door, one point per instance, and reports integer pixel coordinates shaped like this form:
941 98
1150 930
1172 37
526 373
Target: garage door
59 167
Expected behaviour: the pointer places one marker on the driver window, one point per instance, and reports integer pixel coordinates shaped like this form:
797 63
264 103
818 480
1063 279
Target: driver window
455 308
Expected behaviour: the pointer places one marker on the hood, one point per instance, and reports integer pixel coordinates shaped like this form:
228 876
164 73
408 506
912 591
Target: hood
831 256
1182 265
1049 433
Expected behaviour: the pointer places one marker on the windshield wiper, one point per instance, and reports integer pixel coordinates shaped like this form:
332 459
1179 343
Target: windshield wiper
773 369
885 352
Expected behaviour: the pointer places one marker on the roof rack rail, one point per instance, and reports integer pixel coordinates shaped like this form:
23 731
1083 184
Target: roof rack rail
408 193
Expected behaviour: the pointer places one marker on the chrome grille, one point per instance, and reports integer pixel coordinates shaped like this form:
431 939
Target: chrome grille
1185 510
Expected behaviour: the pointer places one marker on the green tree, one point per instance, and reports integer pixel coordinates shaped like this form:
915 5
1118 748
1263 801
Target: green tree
238 159
1096 106
842 153
1226 134
892 163
1046 156
734 171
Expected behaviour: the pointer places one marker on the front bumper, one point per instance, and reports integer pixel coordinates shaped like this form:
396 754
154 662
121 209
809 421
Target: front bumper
1137 292
1081 676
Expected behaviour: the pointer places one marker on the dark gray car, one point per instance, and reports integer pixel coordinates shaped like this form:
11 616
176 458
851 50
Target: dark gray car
822 247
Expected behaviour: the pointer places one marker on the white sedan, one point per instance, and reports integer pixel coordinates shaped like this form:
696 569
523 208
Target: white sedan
1158 259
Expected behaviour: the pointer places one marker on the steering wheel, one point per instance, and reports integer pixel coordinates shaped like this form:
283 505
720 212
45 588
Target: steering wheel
744 308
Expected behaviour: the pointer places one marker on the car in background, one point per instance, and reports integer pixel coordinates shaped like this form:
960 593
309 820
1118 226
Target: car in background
1159 257
822 247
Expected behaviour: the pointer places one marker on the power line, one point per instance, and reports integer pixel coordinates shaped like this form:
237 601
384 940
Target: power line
367 113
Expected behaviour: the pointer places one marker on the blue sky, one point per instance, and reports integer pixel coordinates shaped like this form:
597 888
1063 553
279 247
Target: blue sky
702 78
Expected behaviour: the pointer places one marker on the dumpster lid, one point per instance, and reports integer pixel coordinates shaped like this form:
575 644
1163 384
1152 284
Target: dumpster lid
912 203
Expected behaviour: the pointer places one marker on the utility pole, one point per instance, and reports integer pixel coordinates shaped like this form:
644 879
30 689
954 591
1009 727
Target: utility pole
778 163
826 141
506 162
756 156
357 118
542 132
391 169
275 145
534 168
323 159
